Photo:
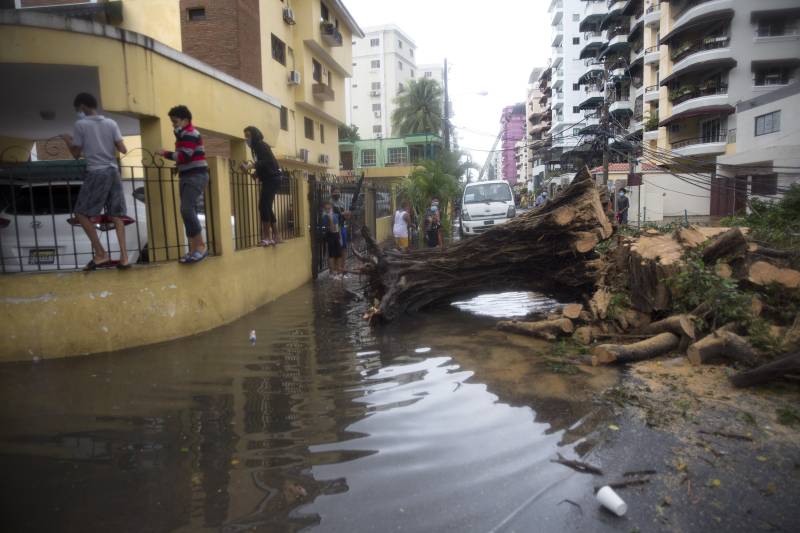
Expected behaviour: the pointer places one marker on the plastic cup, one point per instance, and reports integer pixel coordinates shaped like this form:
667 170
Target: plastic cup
611 501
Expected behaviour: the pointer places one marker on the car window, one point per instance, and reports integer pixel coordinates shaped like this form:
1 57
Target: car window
44 199
487 192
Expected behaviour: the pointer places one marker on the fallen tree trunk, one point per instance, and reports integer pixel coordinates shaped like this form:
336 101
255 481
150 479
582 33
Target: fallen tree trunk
680 325
729 244
546 329
572 311
785 367
638 351
763 274
721 344
549 250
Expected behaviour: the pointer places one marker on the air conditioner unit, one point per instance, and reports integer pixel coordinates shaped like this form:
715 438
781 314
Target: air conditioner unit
288 15
374 93
324 159
302 154
377 114
294 77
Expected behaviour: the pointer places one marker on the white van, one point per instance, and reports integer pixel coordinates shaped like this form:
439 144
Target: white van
485 204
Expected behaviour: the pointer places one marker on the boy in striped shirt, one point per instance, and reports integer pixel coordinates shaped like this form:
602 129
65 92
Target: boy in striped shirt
190 158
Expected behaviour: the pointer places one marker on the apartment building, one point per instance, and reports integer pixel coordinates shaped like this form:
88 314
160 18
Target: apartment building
534 128
383 63
301 54
512 123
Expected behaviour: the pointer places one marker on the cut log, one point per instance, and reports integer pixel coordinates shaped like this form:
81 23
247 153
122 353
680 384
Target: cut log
723 270
543 250
721 344
585 316
546 329
638 351
681 325
652 259
599 304
791 341
636 319
572 311
729 244
763 274
785 367
764 251
583 335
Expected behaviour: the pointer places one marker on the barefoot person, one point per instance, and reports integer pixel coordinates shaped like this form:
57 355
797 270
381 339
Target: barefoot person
98 139
190 157
269 173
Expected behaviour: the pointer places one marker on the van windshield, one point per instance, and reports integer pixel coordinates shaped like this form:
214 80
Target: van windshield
487 192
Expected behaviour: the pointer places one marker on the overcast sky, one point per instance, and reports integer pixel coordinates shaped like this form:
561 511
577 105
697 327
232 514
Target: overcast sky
490 46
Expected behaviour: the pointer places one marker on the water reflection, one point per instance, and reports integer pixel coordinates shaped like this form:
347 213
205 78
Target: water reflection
508 304
434 423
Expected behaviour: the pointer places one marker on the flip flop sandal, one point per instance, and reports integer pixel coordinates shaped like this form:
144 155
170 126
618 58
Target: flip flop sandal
196 257
120 266
264 243
92 266
185 259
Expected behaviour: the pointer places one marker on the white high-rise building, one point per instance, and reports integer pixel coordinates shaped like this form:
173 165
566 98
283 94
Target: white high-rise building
383 64
565 17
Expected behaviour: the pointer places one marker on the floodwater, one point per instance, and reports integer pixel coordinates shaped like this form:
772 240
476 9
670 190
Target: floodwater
434 423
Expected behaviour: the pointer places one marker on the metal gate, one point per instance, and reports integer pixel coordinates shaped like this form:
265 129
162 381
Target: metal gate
318 193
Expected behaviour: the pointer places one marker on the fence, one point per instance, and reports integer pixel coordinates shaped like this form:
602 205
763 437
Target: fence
246 207
39 233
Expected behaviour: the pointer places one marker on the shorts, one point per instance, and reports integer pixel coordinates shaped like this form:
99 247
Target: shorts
334 246
402 242
101 189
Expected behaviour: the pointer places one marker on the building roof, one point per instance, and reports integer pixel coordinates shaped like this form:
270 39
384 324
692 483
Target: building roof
625 167
339 6
390 27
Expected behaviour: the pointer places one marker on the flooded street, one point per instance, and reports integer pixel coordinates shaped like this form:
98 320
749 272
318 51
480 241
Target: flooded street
434 423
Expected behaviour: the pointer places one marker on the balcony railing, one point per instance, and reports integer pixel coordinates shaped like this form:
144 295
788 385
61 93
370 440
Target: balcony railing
688 92
706 139
330 34
618 30
323 92
651 50
651 89
687 48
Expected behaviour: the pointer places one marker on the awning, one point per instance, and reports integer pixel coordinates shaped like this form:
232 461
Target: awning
590 22
590 50
722 15
610 17
706 66
786 14
699 112
790 62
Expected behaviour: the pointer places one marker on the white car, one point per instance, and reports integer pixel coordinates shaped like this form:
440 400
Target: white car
486 204
35 233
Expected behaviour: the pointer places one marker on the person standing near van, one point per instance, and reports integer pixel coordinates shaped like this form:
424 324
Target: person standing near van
269 173
190 158
98 139
402 220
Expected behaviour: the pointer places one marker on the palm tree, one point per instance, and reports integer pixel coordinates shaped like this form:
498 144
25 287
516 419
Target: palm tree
430 180
419 108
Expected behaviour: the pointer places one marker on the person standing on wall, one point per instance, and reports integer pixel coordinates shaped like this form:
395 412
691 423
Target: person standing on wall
402 221
269 173
190 158
98 139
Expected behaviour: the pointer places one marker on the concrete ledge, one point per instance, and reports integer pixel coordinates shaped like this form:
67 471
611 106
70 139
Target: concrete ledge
74 313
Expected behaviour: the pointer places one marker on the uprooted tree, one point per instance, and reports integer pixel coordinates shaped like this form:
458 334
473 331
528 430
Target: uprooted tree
550 250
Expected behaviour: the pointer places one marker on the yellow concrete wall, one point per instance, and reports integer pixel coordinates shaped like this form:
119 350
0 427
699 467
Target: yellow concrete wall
159 19
73 313
383 228
12 149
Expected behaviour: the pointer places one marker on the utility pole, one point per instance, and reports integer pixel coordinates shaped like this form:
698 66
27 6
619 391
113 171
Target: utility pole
446 117
604 123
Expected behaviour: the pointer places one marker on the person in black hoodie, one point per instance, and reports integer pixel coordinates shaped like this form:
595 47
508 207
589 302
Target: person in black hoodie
269 173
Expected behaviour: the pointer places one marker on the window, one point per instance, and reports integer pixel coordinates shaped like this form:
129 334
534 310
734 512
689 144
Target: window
412 73
322 133
374 42
399 65
278 50
376 86
771 28
375 63
284 118
355 107
576 109
428 74
309 127
377 129
764 185
196 13
355 64
400 45
576 40
376 107
771 76
576 131
769 123
316 70
397 156
324 13
368 157
576 86
576 17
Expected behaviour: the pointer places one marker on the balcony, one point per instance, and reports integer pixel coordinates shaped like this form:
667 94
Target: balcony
592 42
323 93
707 61
593 97
594 69
701 10
706 145
652 15
330 34
651 93
693 97
593 14
688 48
652 55
650 135
621 105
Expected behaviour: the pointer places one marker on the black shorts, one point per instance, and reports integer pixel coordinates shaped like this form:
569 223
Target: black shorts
334 246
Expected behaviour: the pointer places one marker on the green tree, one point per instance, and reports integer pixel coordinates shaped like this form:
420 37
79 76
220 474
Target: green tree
349 133
419 108
430 180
